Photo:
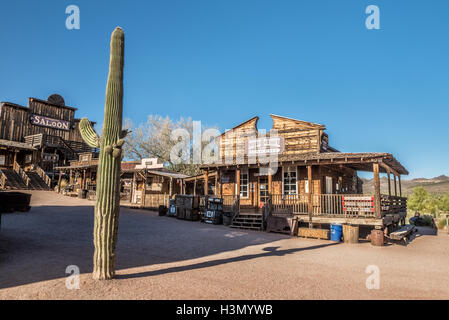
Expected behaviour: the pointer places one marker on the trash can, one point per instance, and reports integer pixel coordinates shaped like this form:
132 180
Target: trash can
336 232
227 218
162 210
82 193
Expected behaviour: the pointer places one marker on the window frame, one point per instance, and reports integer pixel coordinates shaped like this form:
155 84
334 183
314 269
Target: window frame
243 172
287 169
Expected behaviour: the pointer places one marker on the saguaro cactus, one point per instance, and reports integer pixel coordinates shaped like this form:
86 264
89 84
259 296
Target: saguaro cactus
107 204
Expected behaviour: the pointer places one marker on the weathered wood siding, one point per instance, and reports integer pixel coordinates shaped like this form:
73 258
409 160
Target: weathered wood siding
299 137
15 121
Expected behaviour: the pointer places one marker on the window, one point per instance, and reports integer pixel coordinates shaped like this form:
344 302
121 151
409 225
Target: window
289 180
244 184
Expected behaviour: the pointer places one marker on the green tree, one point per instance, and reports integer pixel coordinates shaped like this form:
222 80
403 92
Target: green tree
432 205
417 200
444 203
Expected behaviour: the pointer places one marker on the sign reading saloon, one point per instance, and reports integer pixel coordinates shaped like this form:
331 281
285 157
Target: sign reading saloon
50 123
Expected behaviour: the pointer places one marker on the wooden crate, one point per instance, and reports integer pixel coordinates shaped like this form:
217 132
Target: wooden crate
313 233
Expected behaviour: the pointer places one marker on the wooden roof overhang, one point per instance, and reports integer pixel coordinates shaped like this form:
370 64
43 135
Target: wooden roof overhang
174 175
16 145
77 167
210 174
357 161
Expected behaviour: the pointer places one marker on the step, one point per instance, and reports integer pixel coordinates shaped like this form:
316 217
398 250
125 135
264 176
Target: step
250 216
13 180
246 227
249 220
37 182
239 224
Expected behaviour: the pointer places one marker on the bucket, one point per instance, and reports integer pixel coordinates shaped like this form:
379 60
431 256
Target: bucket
227 219
350 234
336 231
377 237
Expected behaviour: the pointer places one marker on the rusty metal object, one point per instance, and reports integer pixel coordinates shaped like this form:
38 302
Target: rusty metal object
377 237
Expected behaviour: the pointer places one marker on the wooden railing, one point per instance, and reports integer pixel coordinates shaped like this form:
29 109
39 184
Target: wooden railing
2 180
393 204
231 203
18 169
289 203
35 140
56 141
327 205
43 175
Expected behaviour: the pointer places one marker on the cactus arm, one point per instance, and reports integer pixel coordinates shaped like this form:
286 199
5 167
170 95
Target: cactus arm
88 133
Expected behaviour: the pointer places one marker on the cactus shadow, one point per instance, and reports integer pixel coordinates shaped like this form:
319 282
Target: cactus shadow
40 245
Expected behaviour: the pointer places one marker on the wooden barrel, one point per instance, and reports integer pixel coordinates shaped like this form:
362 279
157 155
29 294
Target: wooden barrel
350 233
377 237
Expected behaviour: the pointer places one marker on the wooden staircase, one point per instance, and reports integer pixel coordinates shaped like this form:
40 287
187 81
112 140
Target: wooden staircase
36 182
248 220
13 180
18 179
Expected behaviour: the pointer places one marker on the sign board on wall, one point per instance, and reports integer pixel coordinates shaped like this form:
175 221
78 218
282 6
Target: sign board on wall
49 122
2 160
265 145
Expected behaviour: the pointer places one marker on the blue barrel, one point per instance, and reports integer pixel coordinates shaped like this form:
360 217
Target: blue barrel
336 232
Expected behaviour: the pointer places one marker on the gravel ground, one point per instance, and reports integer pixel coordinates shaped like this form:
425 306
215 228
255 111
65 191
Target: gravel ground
166 258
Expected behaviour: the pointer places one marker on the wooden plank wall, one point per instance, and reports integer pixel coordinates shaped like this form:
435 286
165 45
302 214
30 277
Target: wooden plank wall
233 143
15 121
299 137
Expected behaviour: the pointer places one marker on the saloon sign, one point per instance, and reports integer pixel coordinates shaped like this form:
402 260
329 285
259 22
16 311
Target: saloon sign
49 122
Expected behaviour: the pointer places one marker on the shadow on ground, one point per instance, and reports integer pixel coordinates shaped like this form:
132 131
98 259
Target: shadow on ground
39 245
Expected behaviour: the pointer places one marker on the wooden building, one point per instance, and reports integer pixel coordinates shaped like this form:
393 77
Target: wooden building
144 184
149 184
37 138
293 170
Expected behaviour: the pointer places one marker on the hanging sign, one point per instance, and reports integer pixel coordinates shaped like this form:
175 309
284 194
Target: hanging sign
49 122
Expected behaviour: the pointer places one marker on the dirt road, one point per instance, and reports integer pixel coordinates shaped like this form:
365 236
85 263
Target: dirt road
166 258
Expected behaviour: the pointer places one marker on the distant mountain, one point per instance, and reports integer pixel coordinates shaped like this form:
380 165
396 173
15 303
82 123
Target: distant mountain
438 184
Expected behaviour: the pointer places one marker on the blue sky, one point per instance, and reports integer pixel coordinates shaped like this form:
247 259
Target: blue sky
223 62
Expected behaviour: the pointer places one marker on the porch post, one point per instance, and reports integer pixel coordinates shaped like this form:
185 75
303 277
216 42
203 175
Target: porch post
310 199
270 180
237 180
377 191
400 187
59 181
206 182
395 187
170 188
218 183
144 191
194 187
389 184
